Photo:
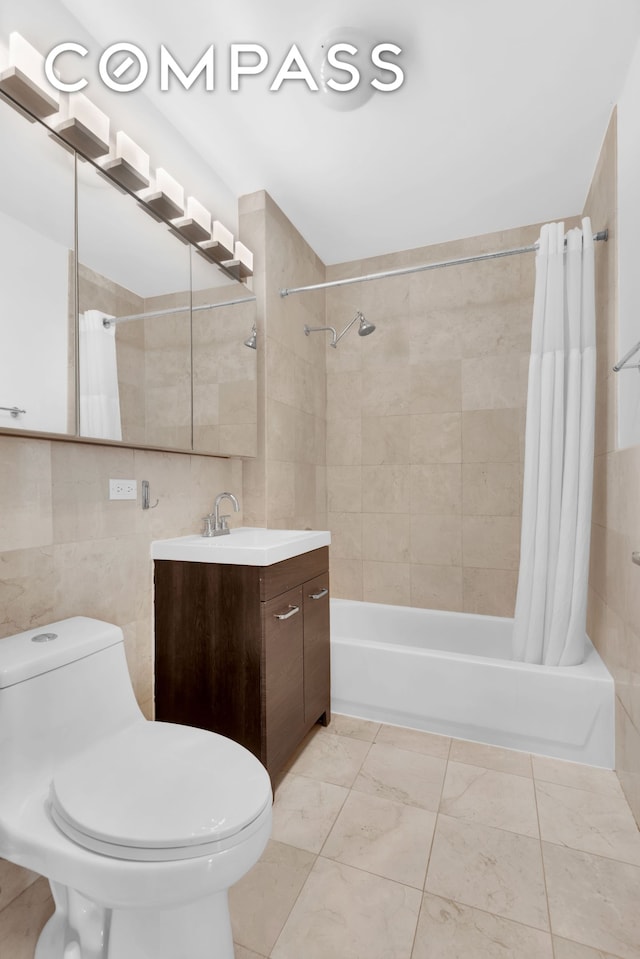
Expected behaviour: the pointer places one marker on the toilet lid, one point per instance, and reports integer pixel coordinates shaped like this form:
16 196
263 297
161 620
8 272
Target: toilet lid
164 790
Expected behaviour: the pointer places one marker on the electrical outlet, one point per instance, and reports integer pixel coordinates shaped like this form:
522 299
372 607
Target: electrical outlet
123 489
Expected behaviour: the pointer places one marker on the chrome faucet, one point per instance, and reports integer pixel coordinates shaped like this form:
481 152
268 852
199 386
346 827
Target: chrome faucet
214 524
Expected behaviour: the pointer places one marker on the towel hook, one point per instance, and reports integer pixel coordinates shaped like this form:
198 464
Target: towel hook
146 498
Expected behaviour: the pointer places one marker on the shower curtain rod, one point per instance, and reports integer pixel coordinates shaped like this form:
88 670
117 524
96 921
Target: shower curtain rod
107 323
601 235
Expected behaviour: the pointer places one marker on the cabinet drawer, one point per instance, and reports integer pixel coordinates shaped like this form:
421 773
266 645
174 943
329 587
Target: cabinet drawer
283 675
277 579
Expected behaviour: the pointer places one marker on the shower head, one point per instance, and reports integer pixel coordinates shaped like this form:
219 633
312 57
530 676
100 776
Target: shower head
365 327
252 340
363 330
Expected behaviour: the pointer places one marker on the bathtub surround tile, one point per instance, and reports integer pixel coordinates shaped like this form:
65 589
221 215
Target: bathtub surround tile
492 436
330 758
387 583
435 387
593 900
402 775
491 757
592 822
490 592
344 489
386 537
435 438
385 489
436 540
449 930
436 489
495 382
415 740
491 542
262 900
353 727
387 838
436 587
346 578
499 799
304 811
490 869
386 392
349 913
385 440
491 489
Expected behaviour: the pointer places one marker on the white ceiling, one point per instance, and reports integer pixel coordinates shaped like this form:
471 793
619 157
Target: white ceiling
499 122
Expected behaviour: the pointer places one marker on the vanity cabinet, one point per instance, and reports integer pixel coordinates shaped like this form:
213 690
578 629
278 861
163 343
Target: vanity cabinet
244 650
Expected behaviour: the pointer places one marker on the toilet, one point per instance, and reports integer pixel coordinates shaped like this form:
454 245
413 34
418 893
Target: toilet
140 827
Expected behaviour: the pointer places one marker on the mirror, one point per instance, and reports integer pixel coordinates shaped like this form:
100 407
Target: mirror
37 284
160 328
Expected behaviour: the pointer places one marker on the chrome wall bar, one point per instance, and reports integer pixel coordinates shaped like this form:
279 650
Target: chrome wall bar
176 309
14 410
622 363
403 271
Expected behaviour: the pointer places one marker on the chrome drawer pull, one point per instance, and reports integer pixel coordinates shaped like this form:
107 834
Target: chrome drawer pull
323 592
292 612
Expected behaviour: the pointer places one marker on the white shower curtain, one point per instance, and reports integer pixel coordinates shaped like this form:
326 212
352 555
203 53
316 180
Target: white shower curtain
99 398
551 604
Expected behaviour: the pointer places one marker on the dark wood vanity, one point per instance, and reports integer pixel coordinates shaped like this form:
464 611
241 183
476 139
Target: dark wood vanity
244 650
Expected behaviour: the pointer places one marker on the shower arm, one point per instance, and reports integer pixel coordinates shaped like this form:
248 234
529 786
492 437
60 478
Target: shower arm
335 337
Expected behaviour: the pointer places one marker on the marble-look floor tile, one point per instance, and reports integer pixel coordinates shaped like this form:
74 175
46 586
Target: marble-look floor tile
449 930
491 869
491 757
242 953
262 900
304 811
353 727
593 822
415 740
485 796
330 758
404 776
577 775
22 922
387 838
573 950
593 900
350 914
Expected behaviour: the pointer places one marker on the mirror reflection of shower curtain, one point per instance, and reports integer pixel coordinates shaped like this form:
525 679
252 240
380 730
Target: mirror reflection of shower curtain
551 604
99 398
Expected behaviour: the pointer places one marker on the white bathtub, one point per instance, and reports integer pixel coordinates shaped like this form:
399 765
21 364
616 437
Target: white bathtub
451 673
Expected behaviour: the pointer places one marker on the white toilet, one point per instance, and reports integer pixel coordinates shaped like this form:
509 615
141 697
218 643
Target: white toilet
140 827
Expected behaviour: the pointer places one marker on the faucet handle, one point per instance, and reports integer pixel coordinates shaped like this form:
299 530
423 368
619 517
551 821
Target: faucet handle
223 522
208 525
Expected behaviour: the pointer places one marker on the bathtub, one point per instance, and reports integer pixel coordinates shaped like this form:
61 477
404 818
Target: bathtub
451 673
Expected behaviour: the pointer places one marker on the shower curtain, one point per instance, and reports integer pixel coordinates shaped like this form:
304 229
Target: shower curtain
99 398
551 604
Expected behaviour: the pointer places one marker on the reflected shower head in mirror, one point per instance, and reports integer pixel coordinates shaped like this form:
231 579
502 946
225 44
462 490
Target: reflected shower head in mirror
363 330
252 340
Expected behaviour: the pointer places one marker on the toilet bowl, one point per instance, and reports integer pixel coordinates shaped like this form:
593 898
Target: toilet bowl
140 827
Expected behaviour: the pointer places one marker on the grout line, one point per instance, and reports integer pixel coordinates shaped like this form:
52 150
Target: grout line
544 871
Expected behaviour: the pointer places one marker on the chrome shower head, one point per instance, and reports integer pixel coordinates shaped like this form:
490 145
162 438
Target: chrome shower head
365 327
252 340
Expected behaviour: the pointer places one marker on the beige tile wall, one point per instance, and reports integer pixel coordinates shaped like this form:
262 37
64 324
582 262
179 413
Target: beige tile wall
614 596
425 428
285 484
65 550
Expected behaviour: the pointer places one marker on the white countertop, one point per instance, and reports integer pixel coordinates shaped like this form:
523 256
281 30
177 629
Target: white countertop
245 546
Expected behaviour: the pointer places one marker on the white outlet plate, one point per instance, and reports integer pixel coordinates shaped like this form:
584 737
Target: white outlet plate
123 489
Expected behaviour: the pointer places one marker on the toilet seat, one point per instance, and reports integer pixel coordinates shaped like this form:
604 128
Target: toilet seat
158 791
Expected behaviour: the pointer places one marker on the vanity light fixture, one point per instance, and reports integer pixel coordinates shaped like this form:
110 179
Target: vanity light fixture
219 247
130 164
195 225
165 196
23 79
85 128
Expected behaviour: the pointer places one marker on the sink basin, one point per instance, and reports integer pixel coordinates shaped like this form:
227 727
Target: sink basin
245 546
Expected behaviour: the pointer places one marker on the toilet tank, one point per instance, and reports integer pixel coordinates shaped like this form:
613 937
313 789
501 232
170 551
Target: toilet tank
62 686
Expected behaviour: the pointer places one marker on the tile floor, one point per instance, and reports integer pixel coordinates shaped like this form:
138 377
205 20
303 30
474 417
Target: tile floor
390 843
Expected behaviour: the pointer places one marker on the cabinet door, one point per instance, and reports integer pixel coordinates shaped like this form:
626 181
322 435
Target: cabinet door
283 692
317 692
